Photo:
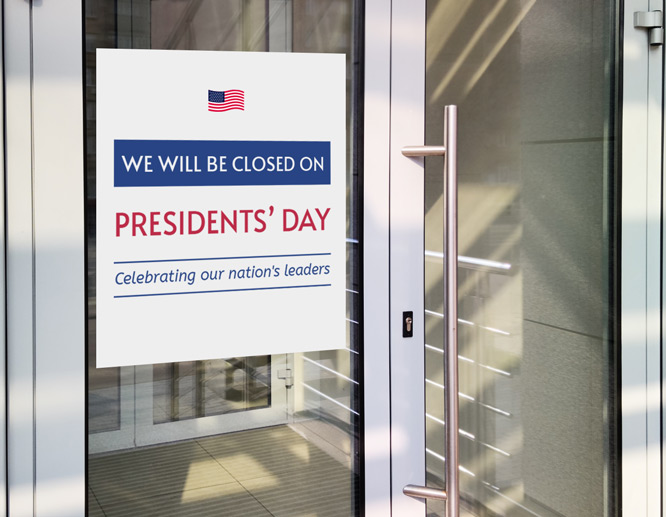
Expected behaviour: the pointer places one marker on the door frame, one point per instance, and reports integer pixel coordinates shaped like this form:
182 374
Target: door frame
407 200
393 375
640 276
45 258
376 264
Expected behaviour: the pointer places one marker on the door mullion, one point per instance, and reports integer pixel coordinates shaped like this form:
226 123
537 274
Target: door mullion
406 255
59 254
376 363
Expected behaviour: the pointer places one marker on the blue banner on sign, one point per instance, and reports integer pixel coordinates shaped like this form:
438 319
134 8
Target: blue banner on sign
182 163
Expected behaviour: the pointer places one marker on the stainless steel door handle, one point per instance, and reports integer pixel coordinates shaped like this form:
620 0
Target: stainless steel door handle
423 150
449 151
424 492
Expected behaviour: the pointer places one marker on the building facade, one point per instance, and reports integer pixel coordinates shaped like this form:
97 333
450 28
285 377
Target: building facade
555 301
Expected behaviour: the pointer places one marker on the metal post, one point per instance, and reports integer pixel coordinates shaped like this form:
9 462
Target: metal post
451 303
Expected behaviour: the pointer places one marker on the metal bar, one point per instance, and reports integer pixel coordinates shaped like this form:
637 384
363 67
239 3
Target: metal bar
423 492
451 304
423 150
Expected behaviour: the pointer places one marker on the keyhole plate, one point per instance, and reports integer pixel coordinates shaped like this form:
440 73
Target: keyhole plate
408 324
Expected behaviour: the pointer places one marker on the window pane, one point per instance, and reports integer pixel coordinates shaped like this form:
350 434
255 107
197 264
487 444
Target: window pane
274 434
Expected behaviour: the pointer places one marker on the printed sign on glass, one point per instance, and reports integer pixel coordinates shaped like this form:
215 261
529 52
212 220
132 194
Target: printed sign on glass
220 205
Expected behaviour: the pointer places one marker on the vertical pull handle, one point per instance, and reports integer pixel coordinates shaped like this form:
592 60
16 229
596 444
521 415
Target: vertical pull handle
449 150
451 301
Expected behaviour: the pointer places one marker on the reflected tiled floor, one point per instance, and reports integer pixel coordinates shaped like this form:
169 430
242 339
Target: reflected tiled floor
265 472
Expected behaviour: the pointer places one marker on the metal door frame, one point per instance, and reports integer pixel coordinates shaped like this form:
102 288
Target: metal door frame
376 361
45 258
640 276
406 255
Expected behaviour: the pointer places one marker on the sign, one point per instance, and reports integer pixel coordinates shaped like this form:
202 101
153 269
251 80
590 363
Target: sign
221 203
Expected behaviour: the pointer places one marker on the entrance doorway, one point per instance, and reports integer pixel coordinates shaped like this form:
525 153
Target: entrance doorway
538 303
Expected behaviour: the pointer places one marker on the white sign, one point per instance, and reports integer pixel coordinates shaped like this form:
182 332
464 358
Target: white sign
220 204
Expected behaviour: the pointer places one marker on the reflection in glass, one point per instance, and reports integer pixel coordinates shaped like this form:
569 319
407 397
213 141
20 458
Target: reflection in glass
533 80
197 389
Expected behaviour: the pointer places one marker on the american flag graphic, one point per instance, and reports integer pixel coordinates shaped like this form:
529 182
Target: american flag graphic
226 100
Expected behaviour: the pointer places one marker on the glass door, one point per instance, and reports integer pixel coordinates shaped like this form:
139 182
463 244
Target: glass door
534 85
232 436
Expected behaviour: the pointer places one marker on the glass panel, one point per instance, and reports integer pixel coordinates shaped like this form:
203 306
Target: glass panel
301 457
533 80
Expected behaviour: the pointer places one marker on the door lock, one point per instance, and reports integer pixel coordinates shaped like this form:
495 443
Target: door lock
408 324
